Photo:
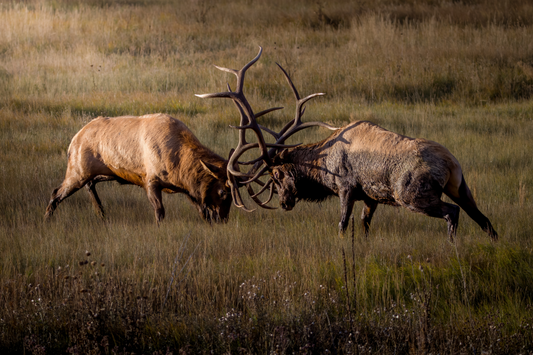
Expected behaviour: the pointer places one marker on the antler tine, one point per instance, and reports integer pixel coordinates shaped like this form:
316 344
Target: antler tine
296 124
296 95
234 187
235 194
237 95
233 167
264 112
264 187
259 202
300 102
297 128
256 176
240 73
299 107
272 187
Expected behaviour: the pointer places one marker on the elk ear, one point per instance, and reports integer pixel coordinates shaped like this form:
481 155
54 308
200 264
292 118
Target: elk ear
214 170
278 159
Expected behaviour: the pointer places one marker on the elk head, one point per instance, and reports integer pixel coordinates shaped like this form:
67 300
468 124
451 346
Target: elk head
215 194
284 177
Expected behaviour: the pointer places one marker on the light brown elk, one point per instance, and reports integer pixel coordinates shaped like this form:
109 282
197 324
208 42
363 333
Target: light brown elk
360 161
156 152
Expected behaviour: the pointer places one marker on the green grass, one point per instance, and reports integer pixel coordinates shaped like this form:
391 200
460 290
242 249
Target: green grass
267 281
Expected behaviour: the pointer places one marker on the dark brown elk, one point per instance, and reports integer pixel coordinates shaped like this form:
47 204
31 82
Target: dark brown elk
156 152
361 161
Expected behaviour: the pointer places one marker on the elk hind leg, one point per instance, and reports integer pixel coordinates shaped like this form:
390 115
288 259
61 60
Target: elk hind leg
463 197
97 204
67 188
91 188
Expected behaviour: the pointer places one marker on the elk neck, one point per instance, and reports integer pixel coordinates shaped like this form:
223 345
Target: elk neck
306 164
192 175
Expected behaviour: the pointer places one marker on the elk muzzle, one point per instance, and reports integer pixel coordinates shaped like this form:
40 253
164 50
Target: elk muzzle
286 201
216 214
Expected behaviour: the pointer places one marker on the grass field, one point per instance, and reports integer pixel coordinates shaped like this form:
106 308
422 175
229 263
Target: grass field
460 73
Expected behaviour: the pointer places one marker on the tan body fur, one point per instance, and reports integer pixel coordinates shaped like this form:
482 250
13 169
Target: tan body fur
363 161
156 152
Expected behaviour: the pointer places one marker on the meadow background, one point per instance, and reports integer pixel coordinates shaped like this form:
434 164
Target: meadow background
457 72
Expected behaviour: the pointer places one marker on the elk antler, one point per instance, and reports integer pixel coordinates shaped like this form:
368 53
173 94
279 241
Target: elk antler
248 121
288 130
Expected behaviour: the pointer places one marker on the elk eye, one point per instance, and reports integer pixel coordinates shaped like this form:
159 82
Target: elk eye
276 174
222 194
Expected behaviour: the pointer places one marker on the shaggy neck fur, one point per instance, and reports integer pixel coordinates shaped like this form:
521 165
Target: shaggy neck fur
304 164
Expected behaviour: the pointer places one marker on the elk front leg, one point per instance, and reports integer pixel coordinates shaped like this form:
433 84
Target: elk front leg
153 190
366 216
444 210
347 202
452 217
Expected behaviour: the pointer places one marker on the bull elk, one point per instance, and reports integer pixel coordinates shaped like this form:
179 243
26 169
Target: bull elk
360 161
156 152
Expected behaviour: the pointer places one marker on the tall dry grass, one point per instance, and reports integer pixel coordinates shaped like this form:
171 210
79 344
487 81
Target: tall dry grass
456 73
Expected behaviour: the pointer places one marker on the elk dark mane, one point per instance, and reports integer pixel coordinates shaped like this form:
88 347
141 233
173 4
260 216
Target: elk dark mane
308 174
